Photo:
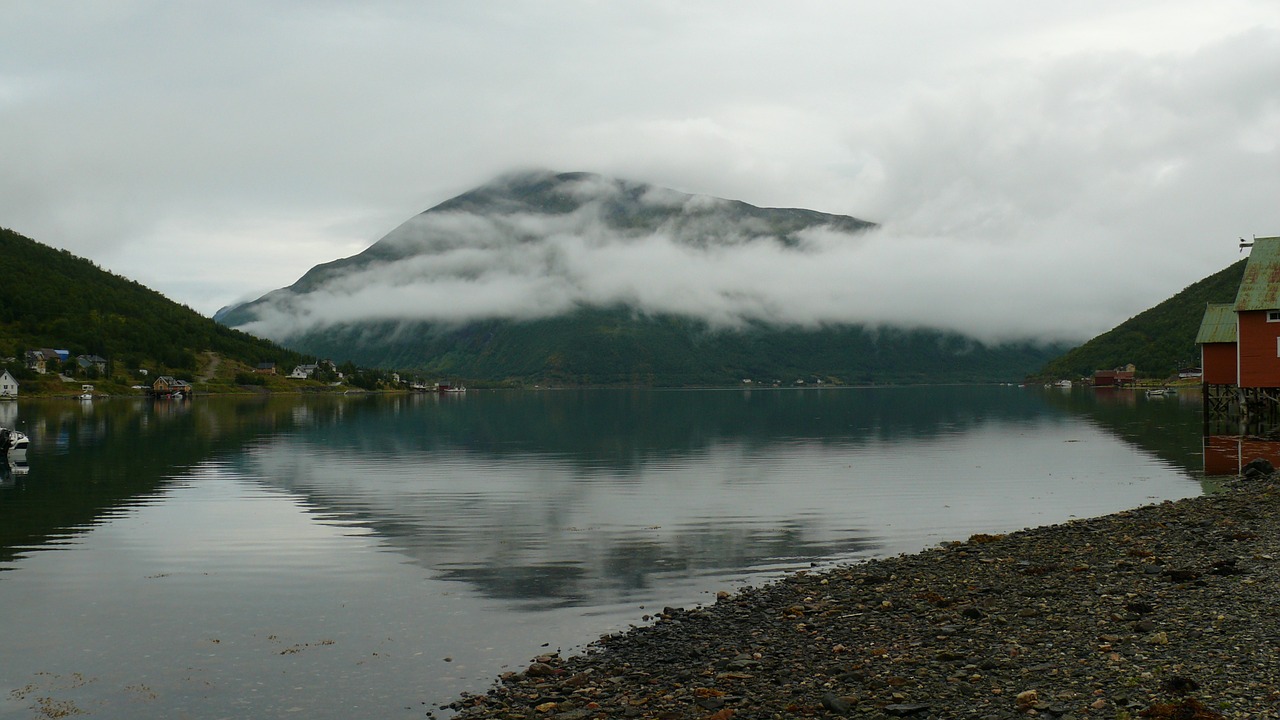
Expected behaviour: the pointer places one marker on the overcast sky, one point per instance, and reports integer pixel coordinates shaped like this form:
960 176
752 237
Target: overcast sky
1093 156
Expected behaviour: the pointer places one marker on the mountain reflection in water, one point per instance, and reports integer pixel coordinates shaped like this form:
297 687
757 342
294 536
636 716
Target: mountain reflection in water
582 497
339 556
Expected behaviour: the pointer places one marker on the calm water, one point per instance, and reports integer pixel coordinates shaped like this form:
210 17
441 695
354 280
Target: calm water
343 557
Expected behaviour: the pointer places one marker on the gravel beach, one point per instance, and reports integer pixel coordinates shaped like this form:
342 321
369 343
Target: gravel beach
1163 611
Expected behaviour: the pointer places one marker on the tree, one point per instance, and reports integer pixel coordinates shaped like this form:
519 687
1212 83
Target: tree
325 372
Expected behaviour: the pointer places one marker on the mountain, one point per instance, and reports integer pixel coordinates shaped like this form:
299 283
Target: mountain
51 298
1158 341
579 278
523 226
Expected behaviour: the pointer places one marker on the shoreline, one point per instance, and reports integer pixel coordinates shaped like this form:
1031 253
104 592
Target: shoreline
1163 611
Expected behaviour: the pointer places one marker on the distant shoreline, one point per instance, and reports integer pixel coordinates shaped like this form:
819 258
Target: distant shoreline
70 393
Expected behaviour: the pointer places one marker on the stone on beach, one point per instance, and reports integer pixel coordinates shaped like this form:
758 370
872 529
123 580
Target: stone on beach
1161 611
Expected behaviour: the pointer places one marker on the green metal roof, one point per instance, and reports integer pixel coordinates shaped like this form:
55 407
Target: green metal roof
1260 286
1218 325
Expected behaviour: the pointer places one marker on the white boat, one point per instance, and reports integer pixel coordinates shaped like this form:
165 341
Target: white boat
1161 392
13 441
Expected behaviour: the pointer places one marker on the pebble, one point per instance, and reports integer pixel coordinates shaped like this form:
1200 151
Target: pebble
1158 609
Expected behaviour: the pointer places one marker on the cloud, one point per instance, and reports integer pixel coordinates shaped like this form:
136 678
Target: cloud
1050 200
727 270
833 278
1095 157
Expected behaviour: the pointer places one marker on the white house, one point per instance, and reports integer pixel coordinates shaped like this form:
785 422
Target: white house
8 386
302 372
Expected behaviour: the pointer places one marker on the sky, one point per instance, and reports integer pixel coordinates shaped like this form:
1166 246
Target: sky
1034 167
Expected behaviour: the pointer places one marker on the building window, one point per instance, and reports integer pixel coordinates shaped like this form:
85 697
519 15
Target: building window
1273 316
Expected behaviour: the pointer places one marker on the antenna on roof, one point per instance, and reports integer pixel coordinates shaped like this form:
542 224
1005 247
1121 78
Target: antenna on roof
1246 243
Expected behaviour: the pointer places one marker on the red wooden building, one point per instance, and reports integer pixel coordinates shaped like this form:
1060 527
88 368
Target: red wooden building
1119 377
1240 341
1217 341
1258 317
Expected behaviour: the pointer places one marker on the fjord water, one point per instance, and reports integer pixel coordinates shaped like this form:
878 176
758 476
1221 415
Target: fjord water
335 557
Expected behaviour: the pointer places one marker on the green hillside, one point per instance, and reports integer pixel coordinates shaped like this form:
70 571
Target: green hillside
1158 341
51 298
617 347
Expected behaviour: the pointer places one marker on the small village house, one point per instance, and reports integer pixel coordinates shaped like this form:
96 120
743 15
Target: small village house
167 385
34 361
38 360
265 368
303 372
84 362
325 368
1117 377
8 386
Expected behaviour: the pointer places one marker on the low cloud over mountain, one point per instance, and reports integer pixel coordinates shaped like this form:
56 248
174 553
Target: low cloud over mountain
537 245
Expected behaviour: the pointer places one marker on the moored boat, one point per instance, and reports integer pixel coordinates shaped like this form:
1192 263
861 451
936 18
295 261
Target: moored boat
13 441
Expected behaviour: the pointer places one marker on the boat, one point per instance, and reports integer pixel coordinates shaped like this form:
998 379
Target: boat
446 388
13 441
1161 392
86 392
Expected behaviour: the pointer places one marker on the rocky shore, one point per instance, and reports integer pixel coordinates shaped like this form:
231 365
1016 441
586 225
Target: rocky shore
1165 611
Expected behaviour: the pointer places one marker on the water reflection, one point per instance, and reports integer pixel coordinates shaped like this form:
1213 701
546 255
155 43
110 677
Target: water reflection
586 498
622 430
544 530
89 460
593 492
324 555
1228 454
1169 427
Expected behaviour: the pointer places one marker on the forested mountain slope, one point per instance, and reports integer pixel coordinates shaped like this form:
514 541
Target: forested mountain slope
1158 341
617 347
52 298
